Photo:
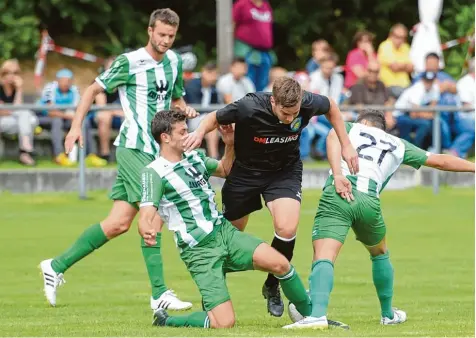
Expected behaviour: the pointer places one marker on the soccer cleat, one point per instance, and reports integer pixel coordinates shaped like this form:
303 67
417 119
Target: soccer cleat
169 301
51 281
160 317
297 317
399 317
274 302
309 323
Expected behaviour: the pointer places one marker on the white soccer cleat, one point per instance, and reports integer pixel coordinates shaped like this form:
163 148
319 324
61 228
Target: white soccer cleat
309 323
169 301
51 281
399 317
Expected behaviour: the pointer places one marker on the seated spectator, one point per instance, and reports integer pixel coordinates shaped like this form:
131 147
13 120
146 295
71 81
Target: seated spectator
235 84
464 121
359 57
63 92
370 90
202 91
106 120
21 122
394 57
423 93
325 81
320 49
274 73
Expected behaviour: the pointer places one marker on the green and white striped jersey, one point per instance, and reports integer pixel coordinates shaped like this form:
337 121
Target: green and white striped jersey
183 195
380 155
145 87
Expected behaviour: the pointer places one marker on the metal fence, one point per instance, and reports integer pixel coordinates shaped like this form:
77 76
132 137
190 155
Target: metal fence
436 139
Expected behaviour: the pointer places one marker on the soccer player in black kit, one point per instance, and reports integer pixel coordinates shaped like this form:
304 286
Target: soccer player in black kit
268 164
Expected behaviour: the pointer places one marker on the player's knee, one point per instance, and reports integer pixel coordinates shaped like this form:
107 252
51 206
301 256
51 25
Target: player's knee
223 323
116 226
286 233
281 265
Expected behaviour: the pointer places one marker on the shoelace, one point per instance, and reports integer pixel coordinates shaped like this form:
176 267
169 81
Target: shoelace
171 293
60 279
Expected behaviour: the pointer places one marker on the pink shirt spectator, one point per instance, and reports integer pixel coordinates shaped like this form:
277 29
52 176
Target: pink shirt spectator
253 24
355 57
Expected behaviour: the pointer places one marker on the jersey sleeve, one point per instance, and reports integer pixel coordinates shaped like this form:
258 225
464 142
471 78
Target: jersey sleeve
414 156
348 126
117 75
232 112
178 90
152 188
315 103
210 163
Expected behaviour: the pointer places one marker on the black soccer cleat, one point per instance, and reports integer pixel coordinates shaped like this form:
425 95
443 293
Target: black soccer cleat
336 324
160 317
274 300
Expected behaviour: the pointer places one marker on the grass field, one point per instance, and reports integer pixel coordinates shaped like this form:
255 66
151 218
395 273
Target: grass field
432 250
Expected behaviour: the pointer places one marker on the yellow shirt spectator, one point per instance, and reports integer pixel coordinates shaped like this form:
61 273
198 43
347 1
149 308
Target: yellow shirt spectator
388 54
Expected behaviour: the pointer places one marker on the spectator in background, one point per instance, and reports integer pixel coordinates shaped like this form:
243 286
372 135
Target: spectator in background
325 81
106 120
464 121
423 93
394 57
235 84
370 90
320 49
203 91
21 122
253 24
359 57
63 92
274 73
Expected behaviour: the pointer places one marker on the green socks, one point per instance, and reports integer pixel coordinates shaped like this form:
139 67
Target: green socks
294 290
321 282
195 319
382 273
91 239
153 262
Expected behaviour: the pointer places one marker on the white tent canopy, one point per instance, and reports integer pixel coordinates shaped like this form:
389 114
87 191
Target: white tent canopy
427 39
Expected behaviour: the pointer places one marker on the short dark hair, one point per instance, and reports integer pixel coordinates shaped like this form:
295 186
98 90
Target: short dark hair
432 55
362 34
164 15
238 60
331 57
209 66
164 121
287 91
375 117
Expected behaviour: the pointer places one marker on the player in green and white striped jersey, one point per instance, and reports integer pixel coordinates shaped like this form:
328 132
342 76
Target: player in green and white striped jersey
177 185
353 202
148 80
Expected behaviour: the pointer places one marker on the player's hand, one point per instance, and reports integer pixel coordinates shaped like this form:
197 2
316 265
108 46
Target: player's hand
73 136
351 157
149 235
193 140
343 187
228 134
190 112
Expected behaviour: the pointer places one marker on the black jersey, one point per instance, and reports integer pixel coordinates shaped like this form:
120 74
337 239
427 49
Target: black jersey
262 142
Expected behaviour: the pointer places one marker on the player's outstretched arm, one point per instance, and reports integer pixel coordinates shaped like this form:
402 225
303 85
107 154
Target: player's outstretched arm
194 139
146 229
85 102
342 184
449 163
226 162
181 105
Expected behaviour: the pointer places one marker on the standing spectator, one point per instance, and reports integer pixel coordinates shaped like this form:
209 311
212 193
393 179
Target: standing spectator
21 122
106 120
235 84
394 56
274 73
203 91
320 49
253 24
359 57
325 81
464 121
63 92
370 90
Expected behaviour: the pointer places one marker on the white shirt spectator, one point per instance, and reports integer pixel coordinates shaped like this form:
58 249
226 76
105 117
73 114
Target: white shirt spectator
465 87
328 87
417 95
227 85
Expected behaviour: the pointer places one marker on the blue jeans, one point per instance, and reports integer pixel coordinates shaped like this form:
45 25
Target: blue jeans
320 129
464 127
259 74
421 127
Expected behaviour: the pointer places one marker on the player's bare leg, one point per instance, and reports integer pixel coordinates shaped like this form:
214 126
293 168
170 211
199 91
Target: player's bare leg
382 274
285 214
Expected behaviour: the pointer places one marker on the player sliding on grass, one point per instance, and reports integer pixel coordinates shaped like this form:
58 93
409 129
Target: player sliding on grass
149 80
177 185
352 201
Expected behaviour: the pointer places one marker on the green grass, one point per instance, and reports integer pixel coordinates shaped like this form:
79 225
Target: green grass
431 240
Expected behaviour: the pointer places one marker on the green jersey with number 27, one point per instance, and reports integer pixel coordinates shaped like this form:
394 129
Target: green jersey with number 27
380 155
145 87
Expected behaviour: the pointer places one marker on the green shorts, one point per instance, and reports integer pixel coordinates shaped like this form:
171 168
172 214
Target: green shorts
224 249
335 216
130 163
